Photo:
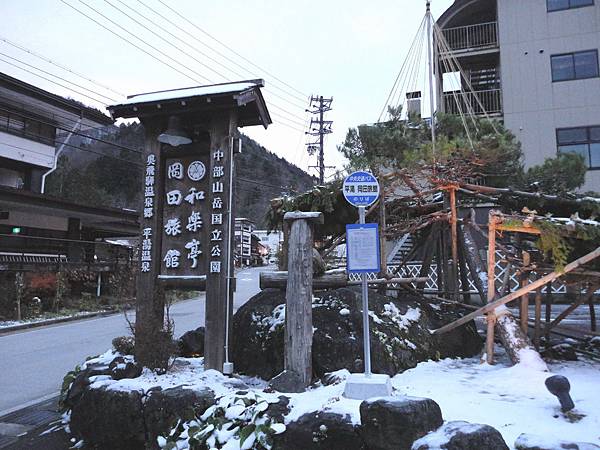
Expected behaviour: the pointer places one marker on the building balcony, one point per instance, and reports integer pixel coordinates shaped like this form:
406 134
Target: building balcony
472 38
490 102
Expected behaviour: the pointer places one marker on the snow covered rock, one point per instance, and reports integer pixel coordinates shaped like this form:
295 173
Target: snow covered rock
109 419
121 368
287 381
162 407
191 344
319 431
462 435
532 442
400 333
394 423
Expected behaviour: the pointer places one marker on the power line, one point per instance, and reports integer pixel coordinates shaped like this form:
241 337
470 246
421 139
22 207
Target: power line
168 42
302 97
129 42
52 81
56 76
69 145
321 105
54 63
189 55
148 53
149 45
77 133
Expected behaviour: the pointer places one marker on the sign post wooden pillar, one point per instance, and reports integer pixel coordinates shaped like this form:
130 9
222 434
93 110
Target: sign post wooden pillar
298 297
219 282
150 298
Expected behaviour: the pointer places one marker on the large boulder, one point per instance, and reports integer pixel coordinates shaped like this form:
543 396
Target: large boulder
163 407
394 423
533 442
191 344
109 419
461 435
400 333
319 431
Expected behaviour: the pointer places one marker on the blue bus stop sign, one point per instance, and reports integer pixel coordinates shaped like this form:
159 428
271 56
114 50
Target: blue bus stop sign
361 189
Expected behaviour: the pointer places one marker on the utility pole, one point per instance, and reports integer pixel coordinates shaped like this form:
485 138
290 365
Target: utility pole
319 127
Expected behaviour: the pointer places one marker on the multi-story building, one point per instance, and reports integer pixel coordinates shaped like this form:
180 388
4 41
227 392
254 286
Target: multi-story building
243 240
534 65
37 230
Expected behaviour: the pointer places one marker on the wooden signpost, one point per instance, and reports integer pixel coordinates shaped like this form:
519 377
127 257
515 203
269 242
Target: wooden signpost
186 222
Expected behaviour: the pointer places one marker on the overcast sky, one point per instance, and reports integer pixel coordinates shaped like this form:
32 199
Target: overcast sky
348 49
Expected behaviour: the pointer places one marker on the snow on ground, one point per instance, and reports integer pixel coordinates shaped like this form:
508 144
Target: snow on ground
12 323
514 400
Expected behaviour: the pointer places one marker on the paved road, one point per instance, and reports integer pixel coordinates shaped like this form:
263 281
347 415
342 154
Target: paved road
33 362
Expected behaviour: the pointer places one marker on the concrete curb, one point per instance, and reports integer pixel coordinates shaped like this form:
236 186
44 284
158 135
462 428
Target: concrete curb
41 323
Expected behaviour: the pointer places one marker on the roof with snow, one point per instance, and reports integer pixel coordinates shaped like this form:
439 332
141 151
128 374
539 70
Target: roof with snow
245 96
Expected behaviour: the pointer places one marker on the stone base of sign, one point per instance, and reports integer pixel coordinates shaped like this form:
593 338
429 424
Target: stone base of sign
362 387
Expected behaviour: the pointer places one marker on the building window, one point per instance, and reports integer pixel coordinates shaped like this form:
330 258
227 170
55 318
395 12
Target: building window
560 5
29 128
584 141
575 66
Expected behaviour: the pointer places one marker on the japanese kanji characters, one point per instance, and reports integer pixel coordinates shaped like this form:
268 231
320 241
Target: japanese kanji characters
216 235
175 171
215 266
194 247
217 187
171 259
194 195
217 203
218 155
216 219
148 212
146 257
194 222
173 227
215 251
218 171
174 197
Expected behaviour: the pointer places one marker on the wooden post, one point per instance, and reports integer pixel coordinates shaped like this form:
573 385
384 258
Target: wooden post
491 287
464 277
548 311
428 254
382 226
298 298
538 318
524 276
583 299
150 301
454 239
19 288
519 292
219 302
592 314
476 266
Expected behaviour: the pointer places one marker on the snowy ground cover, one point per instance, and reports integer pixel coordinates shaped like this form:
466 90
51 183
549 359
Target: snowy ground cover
514 400
12 323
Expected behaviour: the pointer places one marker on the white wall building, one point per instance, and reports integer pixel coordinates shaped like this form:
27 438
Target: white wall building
534 64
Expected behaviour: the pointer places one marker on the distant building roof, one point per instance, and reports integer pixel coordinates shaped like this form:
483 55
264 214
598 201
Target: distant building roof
245 96
47 104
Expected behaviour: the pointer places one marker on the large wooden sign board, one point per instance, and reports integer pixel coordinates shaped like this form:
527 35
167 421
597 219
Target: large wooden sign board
187 216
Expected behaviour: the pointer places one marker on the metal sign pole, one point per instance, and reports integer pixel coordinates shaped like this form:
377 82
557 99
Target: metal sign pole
365 305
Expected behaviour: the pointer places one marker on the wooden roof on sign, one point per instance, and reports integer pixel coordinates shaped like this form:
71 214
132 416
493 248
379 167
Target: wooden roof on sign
245 96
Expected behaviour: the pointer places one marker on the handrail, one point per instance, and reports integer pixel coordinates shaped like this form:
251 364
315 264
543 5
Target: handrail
475 36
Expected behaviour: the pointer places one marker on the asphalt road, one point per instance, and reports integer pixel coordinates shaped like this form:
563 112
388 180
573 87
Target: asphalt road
33 362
